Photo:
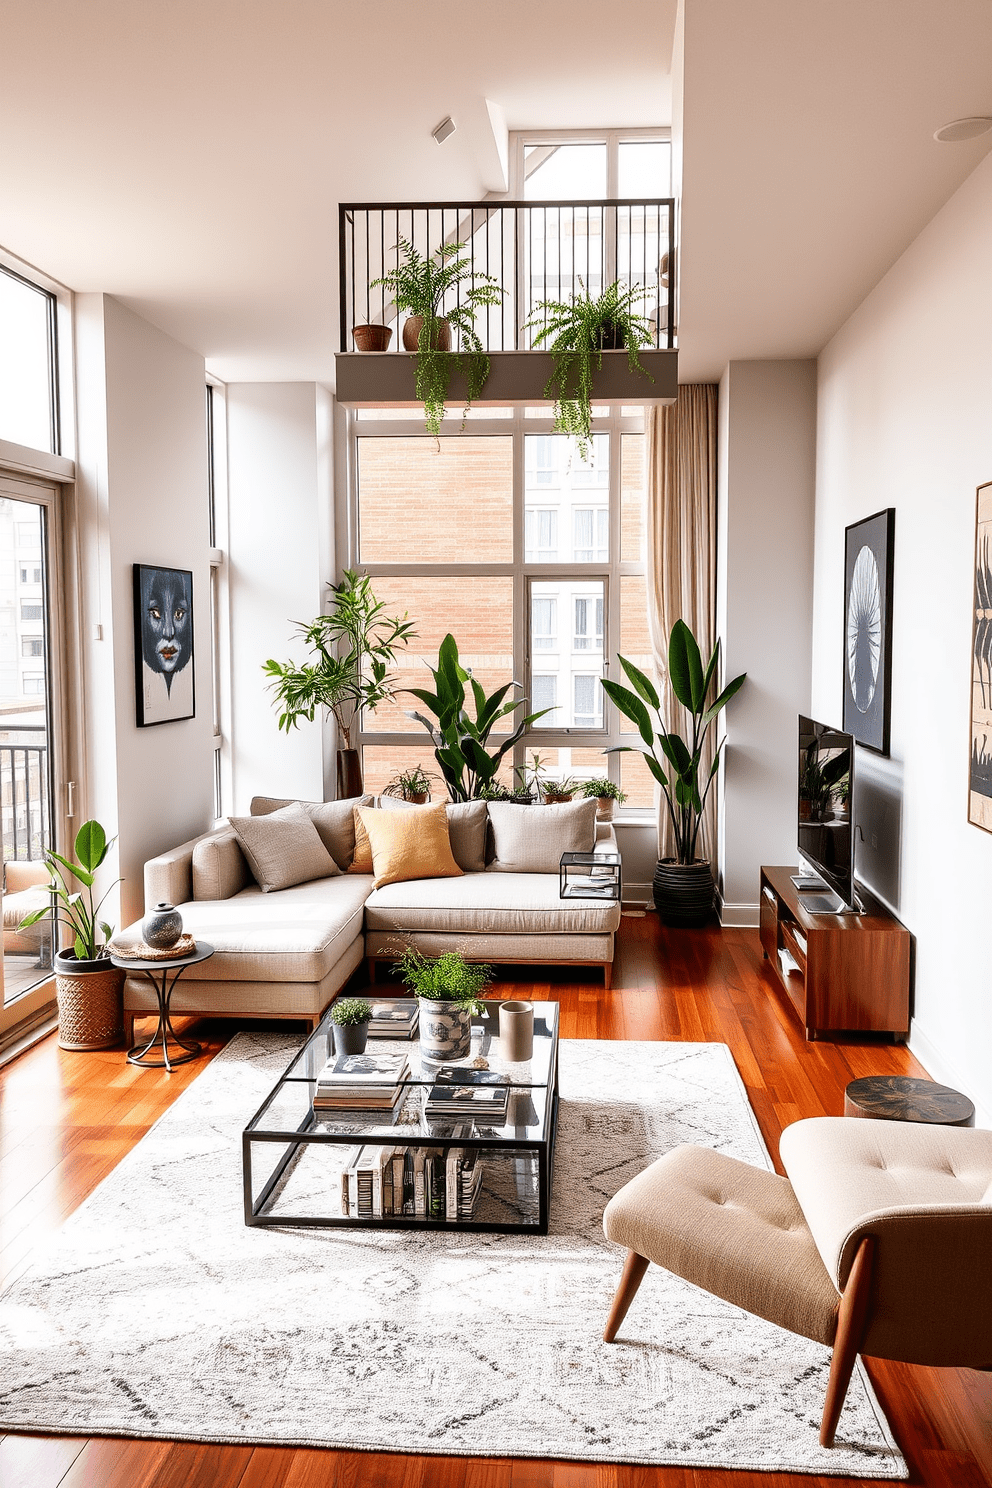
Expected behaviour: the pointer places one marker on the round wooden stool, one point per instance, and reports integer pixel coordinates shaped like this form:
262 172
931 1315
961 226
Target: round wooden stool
900 1098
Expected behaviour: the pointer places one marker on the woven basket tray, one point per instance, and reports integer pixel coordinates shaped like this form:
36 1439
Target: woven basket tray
136 950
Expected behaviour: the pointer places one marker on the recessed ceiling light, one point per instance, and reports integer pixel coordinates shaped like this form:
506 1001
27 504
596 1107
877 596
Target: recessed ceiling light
963 129
447 127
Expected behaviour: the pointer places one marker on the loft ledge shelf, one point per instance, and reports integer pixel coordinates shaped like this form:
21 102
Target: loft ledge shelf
385 379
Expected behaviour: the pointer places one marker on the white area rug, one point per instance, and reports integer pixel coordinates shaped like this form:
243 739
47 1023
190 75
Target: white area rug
157 1313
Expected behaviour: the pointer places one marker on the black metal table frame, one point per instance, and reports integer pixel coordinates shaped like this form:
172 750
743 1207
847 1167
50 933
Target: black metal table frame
163 992
304 1134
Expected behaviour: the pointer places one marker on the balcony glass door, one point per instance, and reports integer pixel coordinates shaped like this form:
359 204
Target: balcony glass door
27 734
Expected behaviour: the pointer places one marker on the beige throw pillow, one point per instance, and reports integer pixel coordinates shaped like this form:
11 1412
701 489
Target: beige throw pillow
409 844
283 848
467 823
531 839
334 820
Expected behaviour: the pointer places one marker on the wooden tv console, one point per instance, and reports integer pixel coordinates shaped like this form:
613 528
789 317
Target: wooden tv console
851 970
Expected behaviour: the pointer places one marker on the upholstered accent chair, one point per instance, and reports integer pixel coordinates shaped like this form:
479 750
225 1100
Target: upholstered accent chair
877 1242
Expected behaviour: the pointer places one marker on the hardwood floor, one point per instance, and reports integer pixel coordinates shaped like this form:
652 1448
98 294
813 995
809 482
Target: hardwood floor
67 1119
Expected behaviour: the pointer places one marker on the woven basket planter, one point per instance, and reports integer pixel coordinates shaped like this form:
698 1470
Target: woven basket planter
91 1002
683 893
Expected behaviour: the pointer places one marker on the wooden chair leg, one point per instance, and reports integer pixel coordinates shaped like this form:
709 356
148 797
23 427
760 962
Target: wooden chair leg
633 1274
850 1331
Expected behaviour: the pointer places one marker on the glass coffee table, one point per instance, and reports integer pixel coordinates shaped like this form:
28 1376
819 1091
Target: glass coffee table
298 1163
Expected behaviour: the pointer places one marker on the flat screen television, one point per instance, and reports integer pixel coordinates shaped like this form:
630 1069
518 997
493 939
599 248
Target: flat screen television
826 793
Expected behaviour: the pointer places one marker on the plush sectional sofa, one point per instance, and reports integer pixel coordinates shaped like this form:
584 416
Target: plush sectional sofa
286 953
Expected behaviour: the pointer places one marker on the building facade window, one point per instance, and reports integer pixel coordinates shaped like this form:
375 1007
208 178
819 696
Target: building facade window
460 534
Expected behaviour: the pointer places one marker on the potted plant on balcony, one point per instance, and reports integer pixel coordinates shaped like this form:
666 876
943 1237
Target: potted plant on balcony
422 284
459 740
606 794
449 989
88 988
578 331
683 884
352 647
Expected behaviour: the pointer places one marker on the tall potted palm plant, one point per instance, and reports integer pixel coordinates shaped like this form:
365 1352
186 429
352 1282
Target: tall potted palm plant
683 884
352 648
424 284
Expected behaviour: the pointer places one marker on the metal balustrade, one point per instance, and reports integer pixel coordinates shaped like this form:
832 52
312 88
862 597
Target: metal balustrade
24 799
547 250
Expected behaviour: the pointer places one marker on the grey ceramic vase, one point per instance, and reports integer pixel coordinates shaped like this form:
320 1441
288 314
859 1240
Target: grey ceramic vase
162 927
445 1030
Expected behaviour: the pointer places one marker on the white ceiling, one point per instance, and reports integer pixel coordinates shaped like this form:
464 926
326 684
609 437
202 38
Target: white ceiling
189 157
809 162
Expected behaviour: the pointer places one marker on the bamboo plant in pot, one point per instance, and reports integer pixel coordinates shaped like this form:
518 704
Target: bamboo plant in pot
442 292
352 648
89 989
577 332
683 884
449 989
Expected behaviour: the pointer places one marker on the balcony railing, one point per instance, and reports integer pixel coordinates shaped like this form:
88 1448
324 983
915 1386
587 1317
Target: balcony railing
24 799
535 250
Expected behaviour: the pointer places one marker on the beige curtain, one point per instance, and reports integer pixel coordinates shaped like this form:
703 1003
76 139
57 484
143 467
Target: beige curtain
681 553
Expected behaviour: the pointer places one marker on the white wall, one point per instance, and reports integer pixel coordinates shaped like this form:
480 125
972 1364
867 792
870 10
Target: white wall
905 393
765 563
142 496
280 556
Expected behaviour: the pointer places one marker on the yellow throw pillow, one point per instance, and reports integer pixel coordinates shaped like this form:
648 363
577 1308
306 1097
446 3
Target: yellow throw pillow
408 844
362 860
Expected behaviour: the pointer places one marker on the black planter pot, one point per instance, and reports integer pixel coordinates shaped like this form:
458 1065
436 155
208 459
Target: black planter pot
683 893
349 774
350 1038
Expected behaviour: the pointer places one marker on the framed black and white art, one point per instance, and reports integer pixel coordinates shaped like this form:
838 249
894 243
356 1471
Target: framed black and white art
868 550
980 778
163 644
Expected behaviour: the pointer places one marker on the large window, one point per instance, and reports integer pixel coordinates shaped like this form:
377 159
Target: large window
530 557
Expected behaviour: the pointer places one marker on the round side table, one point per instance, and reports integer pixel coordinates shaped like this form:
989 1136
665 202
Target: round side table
163 976
902 1098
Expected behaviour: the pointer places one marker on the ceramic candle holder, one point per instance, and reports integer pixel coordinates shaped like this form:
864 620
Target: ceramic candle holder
516 1031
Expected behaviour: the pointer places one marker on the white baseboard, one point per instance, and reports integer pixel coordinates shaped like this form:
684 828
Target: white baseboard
739 916
941 1070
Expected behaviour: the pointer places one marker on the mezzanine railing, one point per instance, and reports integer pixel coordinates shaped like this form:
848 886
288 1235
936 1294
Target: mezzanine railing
546 250
24 798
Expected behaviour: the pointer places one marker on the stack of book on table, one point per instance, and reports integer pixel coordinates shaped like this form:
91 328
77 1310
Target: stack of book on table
460 1094
394 1017
380 1182
361 1082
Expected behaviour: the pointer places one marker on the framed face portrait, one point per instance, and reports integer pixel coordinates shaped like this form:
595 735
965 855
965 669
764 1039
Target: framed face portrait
163 644
868 550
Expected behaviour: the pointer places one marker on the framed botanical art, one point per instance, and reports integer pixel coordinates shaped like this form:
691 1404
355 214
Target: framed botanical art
163 644
980 781
868 550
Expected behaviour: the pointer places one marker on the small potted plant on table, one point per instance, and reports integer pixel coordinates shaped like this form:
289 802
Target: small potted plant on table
606 794
350 1024
449 989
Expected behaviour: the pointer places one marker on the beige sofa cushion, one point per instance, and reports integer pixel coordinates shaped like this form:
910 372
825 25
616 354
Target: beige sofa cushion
487 903
531 839
296 935
219 867
283 848
334 820
467 824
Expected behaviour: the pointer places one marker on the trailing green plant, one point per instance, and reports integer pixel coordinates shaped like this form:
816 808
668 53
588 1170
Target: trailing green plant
75 908
577 331
445 978
459 740
408 783
604 788
673 762
421 283
352 647
349 1012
